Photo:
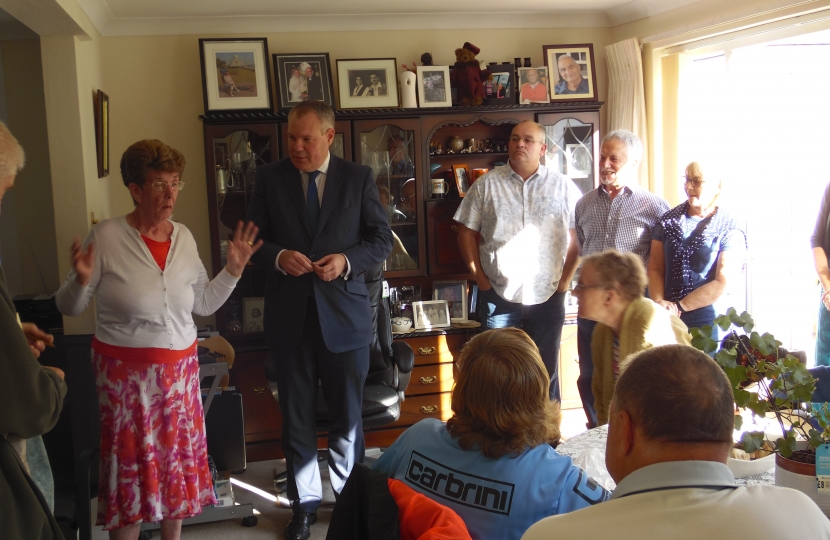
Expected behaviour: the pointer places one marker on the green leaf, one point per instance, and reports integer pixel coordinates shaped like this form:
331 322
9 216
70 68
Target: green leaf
727 358
739 421
758 407
723 321
736 376
752 441
786 446
747 322
742 397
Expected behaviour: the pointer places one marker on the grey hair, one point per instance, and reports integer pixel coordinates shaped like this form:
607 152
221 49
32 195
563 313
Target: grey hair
12 157
633 145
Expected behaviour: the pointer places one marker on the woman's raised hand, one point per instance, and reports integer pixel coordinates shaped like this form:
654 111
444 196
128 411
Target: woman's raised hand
243 245
83 261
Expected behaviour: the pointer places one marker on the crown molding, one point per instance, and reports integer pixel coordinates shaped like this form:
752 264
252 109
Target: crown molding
108 25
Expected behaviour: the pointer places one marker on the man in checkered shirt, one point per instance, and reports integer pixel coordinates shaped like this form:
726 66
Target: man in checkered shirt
517 236
617 215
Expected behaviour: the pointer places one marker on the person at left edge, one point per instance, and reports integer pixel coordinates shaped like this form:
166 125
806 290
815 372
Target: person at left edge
318 322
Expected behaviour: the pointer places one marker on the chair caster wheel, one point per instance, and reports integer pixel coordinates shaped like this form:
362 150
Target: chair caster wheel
249 521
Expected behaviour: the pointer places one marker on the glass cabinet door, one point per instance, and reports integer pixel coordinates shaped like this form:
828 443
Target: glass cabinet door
572 146
390 150
236 154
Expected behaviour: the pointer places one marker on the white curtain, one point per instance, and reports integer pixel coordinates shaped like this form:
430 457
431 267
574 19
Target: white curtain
626 107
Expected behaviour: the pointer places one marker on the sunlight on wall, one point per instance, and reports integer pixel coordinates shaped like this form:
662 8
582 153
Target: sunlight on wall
761 111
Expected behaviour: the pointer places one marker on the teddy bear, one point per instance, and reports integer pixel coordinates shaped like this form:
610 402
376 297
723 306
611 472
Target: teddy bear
467 77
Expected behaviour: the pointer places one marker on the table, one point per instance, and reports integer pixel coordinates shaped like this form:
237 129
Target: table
595 438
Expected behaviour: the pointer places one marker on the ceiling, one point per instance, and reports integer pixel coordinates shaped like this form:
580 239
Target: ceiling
162 17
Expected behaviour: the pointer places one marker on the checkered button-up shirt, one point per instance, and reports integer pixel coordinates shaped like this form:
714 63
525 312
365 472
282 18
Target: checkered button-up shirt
625 223
524 230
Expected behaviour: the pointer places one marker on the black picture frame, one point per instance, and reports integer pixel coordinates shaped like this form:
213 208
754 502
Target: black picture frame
101 106
245 61
583 55
289 94
503 74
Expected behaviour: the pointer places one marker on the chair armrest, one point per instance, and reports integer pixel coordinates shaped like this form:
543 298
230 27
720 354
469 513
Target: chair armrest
403 356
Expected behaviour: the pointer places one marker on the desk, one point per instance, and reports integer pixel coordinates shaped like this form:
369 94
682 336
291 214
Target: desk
595 438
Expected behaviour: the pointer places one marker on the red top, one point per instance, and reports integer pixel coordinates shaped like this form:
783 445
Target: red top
142 356
158 250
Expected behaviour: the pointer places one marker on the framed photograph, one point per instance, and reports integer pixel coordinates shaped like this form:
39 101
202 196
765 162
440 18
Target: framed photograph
455 293
303 77
101 106
235 74
431 314
368 83
434 86
475 174
573 76
533 85
499 91
578 161
462 178
253 309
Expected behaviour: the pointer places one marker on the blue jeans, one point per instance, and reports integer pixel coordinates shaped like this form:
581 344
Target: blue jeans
542 322
585 331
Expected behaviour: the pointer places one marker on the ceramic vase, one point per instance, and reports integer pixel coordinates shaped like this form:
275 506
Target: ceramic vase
408 85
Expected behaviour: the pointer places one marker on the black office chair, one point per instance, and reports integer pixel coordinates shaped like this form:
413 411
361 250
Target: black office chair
390 366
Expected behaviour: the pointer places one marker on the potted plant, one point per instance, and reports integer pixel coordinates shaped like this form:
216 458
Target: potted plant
770 382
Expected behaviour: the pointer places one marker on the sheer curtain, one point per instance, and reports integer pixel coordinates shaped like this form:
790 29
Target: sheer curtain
626 97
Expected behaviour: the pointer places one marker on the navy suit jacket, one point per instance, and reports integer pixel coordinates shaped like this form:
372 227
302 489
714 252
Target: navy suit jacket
352 221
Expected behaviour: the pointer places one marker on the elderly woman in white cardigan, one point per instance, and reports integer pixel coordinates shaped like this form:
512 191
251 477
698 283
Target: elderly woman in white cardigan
147 278
610 291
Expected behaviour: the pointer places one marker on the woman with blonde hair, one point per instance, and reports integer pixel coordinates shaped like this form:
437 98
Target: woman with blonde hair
492 462
696 248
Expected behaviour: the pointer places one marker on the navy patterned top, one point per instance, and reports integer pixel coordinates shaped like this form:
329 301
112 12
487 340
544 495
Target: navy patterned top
691 246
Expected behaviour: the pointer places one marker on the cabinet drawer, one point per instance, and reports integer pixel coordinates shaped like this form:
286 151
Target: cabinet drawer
436 349
417 408
431 379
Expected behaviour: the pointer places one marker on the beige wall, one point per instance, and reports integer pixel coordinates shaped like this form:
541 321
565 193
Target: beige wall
37 253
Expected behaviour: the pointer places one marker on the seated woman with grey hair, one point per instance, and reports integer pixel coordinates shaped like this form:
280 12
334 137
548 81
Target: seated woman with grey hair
695 248
611 291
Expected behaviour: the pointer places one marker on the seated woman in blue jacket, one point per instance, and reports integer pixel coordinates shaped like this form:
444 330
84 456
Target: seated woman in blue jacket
492 462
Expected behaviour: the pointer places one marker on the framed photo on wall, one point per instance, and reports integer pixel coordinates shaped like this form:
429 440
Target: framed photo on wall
303 77
235 74
368 83
533 85
500 91
455 293
573 76
101 103
431 314
434 86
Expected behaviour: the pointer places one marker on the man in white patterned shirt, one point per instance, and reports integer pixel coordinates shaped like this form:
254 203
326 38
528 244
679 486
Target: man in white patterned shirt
617 215
518 239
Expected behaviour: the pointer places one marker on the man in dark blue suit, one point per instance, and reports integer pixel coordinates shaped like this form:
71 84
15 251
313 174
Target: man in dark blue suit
323 227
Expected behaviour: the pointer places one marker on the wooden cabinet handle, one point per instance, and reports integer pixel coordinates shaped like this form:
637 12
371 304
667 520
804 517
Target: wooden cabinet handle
428 380
454 228
426 350
260 389
429 409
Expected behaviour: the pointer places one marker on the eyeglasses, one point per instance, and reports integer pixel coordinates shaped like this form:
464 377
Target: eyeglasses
515 139
582 287
161 186
696 182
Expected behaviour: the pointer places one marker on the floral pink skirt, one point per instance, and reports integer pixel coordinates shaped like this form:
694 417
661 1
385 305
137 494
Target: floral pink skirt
154 461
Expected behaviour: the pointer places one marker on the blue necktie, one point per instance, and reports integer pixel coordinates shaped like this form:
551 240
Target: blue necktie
313 202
